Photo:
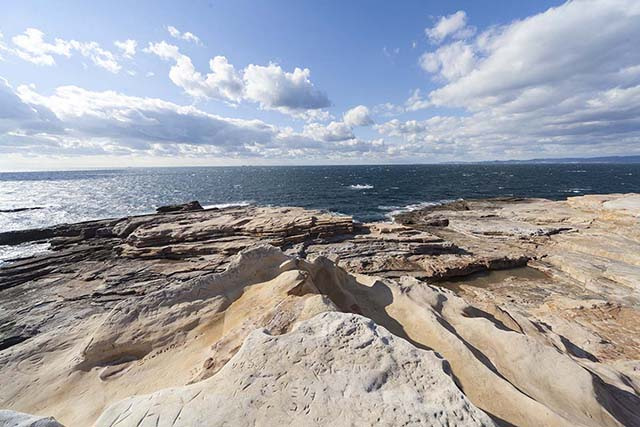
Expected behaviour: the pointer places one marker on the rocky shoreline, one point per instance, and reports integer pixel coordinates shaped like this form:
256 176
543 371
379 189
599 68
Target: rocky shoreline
478 312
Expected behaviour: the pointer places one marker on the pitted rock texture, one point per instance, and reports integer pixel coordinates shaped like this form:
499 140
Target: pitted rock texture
335 368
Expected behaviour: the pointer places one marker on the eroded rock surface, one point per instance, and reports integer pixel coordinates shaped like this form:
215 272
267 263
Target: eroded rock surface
18 419
336 368
516 311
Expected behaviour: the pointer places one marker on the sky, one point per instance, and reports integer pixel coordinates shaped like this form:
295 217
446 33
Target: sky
238 82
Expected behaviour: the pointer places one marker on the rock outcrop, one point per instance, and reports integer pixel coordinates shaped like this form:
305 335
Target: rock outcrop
479 312
18 419
335 368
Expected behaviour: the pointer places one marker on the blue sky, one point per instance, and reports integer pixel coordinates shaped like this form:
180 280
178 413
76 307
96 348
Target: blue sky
496 80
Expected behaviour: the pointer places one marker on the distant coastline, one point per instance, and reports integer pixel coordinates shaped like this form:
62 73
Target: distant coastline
562 160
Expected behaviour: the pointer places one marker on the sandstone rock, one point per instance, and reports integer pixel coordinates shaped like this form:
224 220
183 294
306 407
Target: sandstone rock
533 304
18 419
335 368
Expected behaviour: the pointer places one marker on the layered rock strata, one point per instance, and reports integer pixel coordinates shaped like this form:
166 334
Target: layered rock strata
480 312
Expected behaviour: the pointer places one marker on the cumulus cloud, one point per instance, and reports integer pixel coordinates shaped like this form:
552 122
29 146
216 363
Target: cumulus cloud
416 101
454 25
450 62
128 47
74 121
358 116
547 83
341 131
222 83
31 46
16 115
555 49
334 131
270 86
137 123
289 92
187 36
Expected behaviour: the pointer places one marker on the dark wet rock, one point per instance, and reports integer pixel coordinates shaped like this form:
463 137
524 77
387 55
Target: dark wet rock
185 207
437 222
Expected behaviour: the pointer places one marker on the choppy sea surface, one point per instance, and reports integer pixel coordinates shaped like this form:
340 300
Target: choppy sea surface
365 192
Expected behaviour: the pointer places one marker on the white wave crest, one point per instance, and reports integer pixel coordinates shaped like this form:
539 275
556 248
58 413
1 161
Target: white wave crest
412 207
229 205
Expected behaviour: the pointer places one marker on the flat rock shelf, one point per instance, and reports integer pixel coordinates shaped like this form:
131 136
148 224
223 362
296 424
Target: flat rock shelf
477 312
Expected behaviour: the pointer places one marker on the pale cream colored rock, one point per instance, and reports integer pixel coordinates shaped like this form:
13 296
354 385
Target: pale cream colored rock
162 301
335 369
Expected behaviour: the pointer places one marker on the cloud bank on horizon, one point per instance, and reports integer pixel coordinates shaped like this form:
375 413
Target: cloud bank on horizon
564 81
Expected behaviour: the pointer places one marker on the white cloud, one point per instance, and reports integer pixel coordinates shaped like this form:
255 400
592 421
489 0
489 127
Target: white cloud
270 86
187 36
128 47
75 121
334 131
450 62
454 25
32 47
358 116
100 57
556 49
222 83
340 131
545 85
3 47
120 123
416 102
16 114
275 89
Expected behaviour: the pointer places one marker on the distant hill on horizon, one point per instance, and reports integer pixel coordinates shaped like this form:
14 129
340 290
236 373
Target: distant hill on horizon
603 159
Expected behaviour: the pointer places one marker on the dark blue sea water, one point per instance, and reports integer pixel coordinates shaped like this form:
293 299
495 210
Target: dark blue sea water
365 192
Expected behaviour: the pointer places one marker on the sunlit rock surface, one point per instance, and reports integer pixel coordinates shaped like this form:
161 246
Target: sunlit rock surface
516 311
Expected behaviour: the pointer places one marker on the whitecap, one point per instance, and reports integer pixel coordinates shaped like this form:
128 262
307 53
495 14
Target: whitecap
361 187
414 207
575 190
229 205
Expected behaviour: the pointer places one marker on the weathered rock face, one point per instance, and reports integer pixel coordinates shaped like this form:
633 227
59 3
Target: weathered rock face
185 207
530 306
18 419
335 368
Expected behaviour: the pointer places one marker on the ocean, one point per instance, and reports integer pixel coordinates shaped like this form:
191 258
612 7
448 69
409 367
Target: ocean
367 193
